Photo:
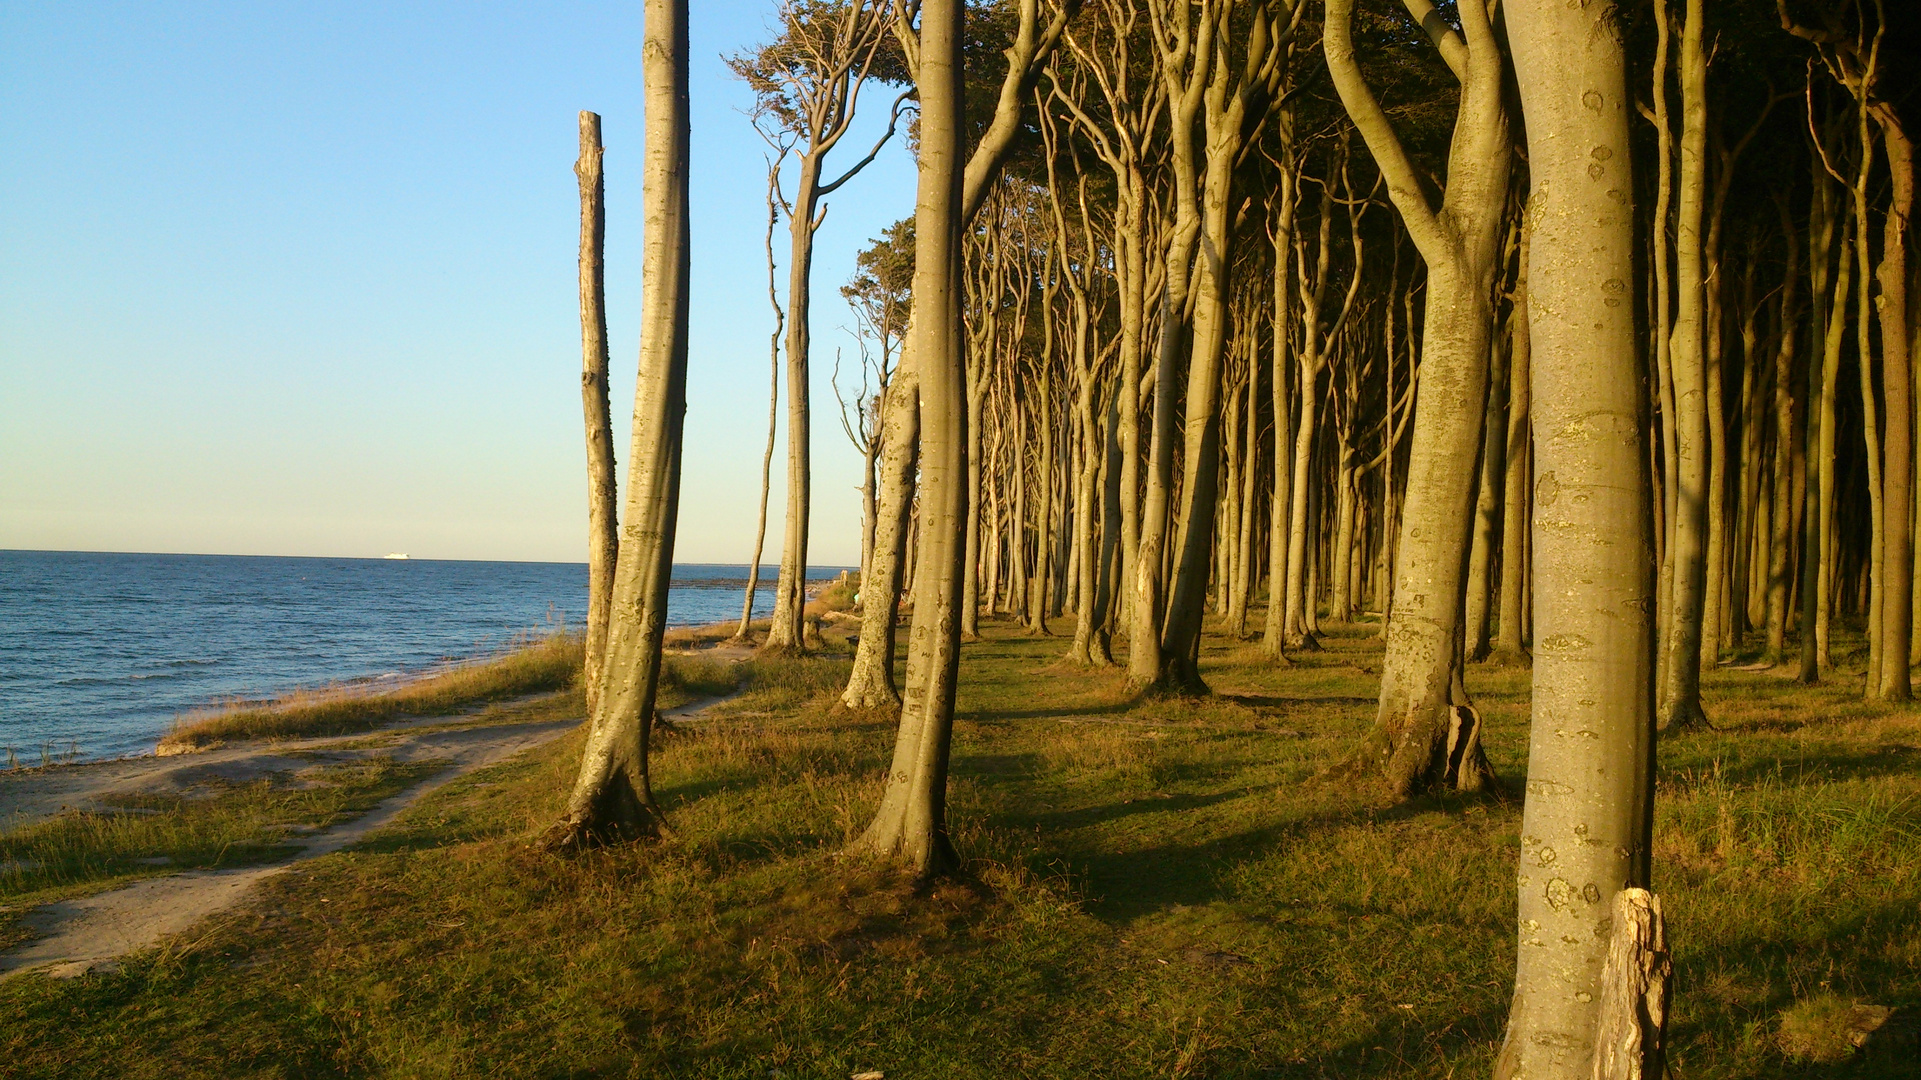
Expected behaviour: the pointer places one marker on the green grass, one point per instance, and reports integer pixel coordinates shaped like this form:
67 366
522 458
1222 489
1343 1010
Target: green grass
542 664
1156 889
215 824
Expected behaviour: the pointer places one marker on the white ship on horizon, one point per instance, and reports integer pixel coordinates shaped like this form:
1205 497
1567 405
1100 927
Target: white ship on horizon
395 555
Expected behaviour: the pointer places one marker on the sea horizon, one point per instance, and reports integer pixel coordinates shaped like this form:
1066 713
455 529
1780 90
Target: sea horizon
100 651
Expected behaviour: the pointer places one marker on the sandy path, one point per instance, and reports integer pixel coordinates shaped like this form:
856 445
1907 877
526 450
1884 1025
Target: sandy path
77 936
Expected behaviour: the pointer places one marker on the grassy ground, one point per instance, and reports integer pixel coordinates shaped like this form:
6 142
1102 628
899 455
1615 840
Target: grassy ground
1156 889
543 664
216 825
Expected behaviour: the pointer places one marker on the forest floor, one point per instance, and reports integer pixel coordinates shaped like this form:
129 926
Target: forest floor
1154 888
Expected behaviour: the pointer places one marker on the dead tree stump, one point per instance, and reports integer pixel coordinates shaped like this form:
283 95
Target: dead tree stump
1631 1037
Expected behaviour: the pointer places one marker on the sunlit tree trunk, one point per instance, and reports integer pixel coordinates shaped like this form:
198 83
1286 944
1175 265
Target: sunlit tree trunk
911 824
1680 692
603 524
612 797
1891 318
1510 644
1425 731
871 683
1585 826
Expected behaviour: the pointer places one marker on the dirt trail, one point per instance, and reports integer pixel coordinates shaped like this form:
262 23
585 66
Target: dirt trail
91 933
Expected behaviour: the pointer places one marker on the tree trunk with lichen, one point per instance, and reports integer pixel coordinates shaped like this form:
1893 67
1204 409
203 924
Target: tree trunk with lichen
1585 826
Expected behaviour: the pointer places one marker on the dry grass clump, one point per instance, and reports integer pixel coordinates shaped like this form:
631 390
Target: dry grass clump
546 663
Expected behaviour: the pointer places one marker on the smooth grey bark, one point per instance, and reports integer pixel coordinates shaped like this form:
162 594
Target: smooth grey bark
1585 826
1422 701
603 522
911 824
612 798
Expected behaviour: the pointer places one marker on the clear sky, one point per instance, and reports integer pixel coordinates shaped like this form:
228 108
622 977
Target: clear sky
300 279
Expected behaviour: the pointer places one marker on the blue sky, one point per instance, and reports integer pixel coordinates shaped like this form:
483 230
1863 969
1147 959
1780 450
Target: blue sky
300 279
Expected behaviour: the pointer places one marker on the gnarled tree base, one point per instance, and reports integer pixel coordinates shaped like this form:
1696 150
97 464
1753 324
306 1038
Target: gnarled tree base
1439 752
618 816
923 848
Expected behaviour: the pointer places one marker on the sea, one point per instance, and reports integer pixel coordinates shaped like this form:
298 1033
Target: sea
100 651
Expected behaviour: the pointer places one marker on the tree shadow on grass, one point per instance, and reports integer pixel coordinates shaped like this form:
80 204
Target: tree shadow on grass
1133 883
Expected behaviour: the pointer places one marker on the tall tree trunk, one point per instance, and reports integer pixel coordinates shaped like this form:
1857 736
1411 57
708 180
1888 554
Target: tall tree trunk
1680 702
1510 645
1782 526
773 419
1422 703
603 525
870 685
1586 821
1488 502
1830 379
1891 317
612 797
786 630
970 565
911 824
1280 502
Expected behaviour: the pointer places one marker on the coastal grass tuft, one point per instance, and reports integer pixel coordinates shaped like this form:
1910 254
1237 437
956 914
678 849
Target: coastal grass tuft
1155 887
546 663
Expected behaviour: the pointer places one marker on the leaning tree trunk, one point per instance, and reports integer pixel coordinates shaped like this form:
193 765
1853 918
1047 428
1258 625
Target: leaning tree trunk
603 525
1425 732
1585 825
911 824
612 797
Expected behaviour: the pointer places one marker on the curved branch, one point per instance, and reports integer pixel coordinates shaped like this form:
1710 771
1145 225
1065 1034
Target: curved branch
1403 183
1445 37
892 121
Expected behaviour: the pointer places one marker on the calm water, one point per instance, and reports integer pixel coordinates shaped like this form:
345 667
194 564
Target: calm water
103 650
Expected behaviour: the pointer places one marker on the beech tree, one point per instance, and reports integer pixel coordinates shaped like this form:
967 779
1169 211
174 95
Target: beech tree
1426 731
612 798
807 85
911 823
603 524
1587 826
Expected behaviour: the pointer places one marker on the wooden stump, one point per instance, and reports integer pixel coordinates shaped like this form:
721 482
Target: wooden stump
1631 1037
